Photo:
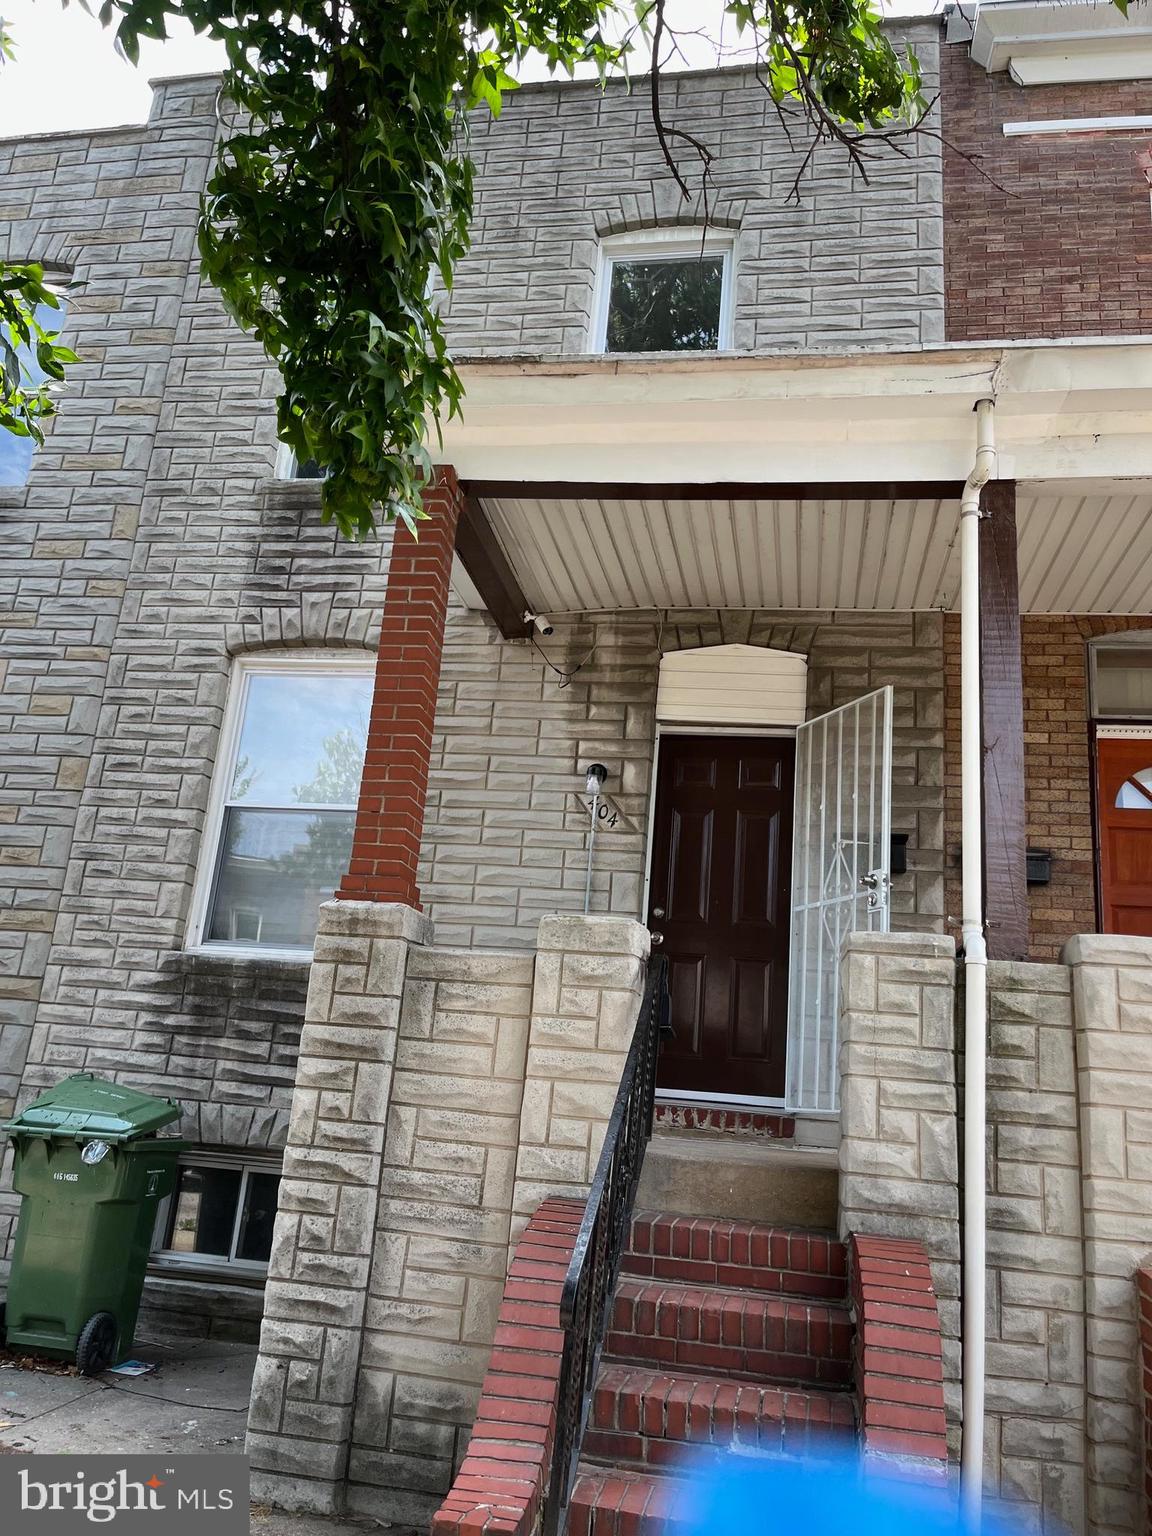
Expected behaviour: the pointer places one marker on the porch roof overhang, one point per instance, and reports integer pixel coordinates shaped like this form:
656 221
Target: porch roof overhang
803 482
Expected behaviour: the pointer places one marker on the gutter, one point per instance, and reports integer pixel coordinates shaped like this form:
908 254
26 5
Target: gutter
974 1255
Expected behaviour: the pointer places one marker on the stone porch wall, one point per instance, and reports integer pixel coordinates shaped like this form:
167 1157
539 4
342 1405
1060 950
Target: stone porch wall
1035 1366
899 1165
441 1094
1070 1197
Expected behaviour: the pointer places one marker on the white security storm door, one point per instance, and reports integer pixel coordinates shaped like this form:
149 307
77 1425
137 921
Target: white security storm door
841 865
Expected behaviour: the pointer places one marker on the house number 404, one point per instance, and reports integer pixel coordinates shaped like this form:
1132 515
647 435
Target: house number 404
605 812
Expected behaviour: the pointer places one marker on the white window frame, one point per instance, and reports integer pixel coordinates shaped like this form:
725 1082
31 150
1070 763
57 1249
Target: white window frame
1131 639
662 245
286 467
170 1258
245 668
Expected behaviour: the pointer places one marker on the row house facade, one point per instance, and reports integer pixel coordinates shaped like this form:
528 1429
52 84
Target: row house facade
362 852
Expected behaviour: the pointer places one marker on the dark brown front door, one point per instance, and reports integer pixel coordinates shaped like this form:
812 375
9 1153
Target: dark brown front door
1124 806
721 871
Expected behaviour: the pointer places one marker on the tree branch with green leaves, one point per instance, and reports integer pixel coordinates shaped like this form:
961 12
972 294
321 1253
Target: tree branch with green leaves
32 357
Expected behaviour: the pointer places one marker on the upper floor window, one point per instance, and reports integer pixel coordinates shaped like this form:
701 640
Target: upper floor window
16 451
664 291
289 467
283 806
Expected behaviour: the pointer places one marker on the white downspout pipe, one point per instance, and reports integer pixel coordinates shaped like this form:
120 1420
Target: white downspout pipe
975 969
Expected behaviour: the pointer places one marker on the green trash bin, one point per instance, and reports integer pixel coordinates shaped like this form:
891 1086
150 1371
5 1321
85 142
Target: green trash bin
92 1172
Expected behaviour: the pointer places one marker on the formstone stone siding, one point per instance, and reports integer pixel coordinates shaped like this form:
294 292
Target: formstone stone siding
153 544
150 546
443 1224
587 986
899 1160
1069 1206
505 838
844 264
117 210
1112 1009
439 1091
1035 1364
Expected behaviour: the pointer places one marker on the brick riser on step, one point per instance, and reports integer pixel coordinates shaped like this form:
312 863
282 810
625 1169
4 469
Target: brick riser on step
731 1333
728 1122
656 1418
607 1501
737 1254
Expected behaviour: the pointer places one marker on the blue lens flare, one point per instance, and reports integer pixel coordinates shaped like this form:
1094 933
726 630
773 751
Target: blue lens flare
825 1495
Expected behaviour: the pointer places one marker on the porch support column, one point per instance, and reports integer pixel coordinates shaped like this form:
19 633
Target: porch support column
394 788
1002 723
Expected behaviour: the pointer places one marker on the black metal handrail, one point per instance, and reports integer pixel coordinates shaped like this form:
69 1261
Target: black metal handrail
591 1278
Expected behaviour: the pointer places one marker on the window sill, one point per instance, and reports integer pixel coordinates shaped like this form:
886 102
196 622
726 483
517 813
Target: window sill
665 352
210 959
252 1279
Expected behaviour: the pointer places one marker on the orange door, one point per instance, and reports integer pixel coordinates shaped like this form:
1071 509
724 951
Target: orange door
1124 807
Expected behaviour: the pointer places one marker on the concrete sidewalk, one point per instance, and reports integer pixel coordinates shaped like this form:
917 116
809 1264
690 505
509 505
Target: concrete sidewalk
196 1400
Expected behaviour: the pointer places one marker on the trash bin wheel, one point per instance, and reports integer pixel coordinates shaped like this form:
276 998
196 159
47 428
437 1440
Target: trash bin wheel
96 1344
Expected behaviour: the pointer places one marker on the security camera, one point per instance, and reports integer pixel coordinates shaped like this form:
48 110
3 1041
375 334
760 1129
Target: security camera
542 622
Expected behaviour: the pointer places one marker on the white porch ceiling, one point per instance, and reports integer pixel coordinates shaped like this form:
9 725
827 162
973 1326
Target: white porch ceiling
1084 548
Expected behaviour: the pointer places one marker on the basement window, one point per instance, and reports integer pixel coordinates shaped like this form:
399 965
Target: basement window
283 803
664 291
220 1215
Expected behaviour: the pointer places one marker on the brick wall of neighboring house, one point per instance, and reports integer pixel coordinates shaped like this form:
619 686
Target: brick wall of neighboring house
1058 771
1045 235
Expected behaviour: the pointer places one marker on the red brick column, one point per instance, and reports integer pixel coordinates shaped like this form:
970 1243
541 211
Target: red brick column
394 789
502 1480
899 1372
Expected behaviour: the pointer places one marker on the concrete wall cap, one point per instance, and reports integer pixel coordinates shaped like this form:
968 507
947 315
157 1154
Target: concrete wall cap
375 920
1107 949
593 935
931 946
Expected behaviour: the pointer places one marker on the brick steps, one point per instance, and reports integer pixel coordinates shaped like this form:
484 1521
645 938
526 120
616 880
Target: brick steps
642 1416
609 1501
746 1334
724 1335
737 1254
650 1422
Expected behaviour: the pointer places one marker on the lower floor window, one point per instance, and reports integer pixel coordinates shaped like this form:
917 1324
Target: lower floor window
274 870
220 1213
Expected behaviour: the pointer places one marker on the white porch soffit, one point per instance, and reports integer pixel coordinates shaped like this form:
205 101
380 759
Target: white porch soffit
1084 547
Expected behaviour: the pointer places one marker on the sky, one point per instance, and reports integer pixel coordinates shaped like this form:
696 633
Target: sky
67 73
